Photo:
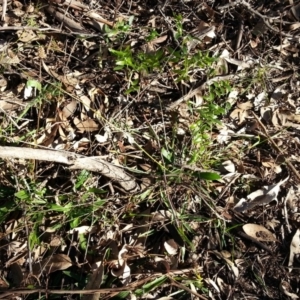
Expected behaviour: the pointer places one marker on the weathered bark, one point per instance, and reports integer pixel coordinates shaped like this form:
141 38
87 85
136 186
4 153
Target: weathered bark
75 161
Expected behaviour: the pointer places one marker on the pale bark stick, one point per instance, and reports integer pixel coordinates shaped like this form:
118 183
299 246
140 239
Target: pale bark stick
75 161
4 8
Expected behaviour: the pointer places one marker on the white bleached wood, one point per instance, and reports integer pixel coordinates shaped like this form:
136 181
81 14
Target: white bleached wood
75 161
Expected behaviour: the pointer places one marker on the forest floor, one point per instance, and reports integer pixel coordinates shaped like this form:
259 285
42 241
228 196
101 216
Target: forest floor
149 149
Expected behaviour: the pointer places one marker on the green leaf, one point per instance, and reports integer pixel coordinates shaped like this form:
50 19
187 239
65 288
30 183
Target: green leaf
59 208
75 222
34 83
166 154
151 285
22 195
38 201
122 295
82 178
96 191
33 239
82 242
209 176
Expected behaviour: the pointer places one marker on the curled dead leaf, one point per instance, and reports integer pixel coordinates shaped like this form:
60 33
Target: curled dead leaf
120 268
260 197
285 287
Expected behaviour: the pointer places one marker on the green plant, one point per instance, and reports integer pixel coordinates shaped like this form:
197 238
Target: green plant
120 29
207 117
178 26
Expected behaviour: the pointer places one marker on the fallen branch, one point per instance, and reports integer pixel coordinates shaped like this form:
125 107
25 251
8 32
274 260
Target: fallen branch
5 294
75 161
276 147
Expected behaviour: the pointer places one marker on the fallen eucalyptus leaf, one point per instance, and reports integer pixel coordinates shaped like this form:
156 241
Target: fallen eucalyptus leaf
259 232
260 197
52 264
171 246
69 109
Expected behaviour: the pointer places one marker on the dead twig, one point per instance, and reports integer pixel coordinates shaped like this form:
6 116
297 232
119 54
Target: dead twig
195 91
181 286
46 29
5 294
290 165
75 161
255 12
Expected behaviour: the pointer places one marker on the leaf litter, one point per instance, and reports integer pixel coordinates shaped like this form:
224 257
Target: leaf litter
145 108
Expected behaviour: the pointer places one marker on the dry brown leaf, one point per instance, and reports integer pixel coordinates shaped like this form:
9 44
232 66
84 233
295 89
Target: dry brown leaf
3 283
94 281
41 52
241 64
69 109
3 83
294 248
171 246
295 9
239 114
160 39
161 215
259 232
295 26
284 287
163 264
49 134
260 197
268 164
120 268
56 241
225 288
9 59
86 125
245 105
70 80
16 274
253 43
51 264
86 101
10 105
82 144
27 36
231 264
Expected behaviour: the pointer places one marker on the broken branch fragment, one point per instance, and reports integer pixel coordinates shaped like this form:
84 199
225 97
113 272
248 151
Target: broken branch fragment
75 161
